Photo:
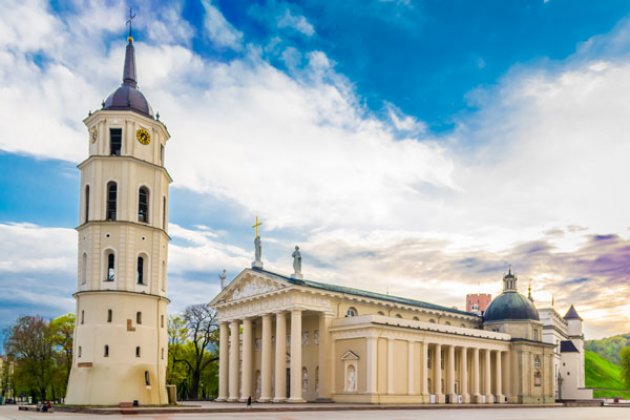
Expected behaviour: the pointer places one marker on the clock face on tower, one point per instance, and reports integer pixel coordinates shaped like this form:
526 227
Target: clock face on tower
143 136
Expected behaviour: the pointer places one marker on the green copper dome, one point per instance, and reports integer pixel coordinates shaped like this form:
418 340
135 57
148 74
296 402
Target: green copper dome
510 305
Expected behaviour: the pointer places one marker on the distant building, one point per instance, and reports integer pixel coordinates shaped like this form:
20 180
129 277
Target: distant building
565 333
478 302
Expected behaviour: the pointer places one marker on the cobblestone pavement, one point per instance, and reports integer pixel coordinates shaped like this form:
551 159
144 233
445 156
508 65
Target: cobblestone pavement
578 413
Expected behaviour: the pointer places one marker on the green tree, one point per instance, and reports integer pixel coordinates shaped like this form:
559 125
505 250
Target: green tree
62 334
29 343
624 356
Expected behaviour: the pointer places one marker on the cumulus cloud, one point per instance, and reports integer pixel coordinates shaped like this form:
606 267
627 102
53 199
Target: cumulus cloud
529 179
296 22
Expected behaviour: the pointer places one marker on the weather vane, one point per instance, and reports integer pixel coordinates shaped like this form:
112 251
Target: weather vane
128 22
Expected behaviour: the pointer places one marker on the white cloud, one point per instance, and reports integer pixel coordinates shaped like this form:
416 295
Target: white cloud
219 30
296 22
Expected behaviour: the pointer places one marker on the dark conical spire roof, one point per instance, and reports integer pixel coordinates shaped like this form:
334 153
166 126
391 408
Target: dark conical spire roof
572 314
127 96
129 73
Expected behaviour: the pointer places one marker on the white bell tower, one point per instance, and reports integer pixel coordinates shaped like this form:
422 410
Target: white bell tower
120 341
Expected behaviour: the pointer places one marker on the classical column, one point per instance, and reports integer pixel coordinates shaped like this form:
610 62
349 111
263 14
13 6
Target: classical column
476 396
223 361
424 372
281 358
411 367
246 363
390 366
296 356
439 396
488 378
234 360
450 375
464 375
498 378
371 365
265 360
325 357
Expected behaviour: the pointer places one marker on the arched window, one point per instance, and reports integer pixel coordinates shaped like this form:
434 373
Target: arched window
164 213
161 321
110 274
138 351
82 316
112 197
162 353
140 270
143 205
163 276
304 380
352 312
106 351
84 268
147 378
110 315
162 154
138 317
87 203
398 316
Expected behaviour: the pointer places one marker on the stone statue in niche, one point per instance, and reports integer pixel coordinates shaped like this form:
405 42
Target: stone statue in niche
305 338
316 337
351 380
304 380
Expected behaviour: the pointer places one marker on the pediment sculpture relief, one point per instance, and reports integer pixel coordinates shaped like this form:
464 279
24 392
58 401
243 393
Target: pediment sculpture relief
253 287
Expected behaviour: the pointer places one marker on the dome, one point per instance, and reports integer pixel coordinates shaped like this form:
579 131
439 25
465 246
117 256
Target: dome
510 305
127 96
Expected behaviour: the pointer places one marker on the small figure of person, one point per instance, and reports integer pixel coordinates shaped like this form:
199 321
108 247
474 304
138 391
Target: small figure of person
249 402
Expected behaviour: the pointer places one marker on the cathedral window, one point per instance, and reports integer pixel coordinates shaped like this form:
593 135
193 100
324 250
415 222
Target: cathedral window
115 141
110 315
84 268
140 274
147 379
352 312
112 196
87 203
111 267
138 317
162 154
143 205
138 351
106 351
82 317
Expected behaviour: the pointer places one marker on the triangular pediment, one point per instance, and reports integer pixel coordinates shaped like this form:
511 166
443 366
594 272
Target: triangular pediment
248 284
349 355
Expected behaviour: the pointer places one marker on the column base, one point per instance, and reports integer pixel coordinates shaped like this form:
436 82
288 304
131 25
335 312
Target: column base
440 398
232 400
478 399
452 398
466 398
499 399
221 399
279 400
296 400
264 399
489 399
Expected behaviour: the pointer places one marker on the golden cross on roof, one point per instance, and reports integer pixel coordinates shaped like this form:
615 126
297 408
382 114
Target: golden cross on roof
256 225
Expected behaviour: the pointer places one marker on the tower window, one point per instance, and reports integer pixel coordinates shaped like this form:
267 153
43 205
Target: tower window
111 268
138 318
87 203
138 351
112 195
82 317
140 272
162 351
162 154
84 268
147 379
162 321
106 351
79 351
143 205
115 141
351 312
110 315
164 213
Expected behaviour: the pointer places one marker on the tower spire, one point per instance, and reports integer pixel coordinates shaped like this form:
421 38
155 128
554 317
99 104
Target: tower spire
129 72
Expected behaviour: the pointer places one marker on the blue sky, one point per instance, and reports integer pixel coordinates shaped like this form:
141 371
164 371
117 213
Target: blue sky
415 146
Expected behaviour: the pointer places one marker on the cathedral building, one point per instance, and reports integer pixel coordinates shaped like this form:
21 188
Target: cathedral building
285 338
120 344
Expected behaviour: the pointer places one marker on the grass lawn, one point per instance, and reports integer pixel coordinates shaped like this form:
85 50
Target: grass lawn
604 377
